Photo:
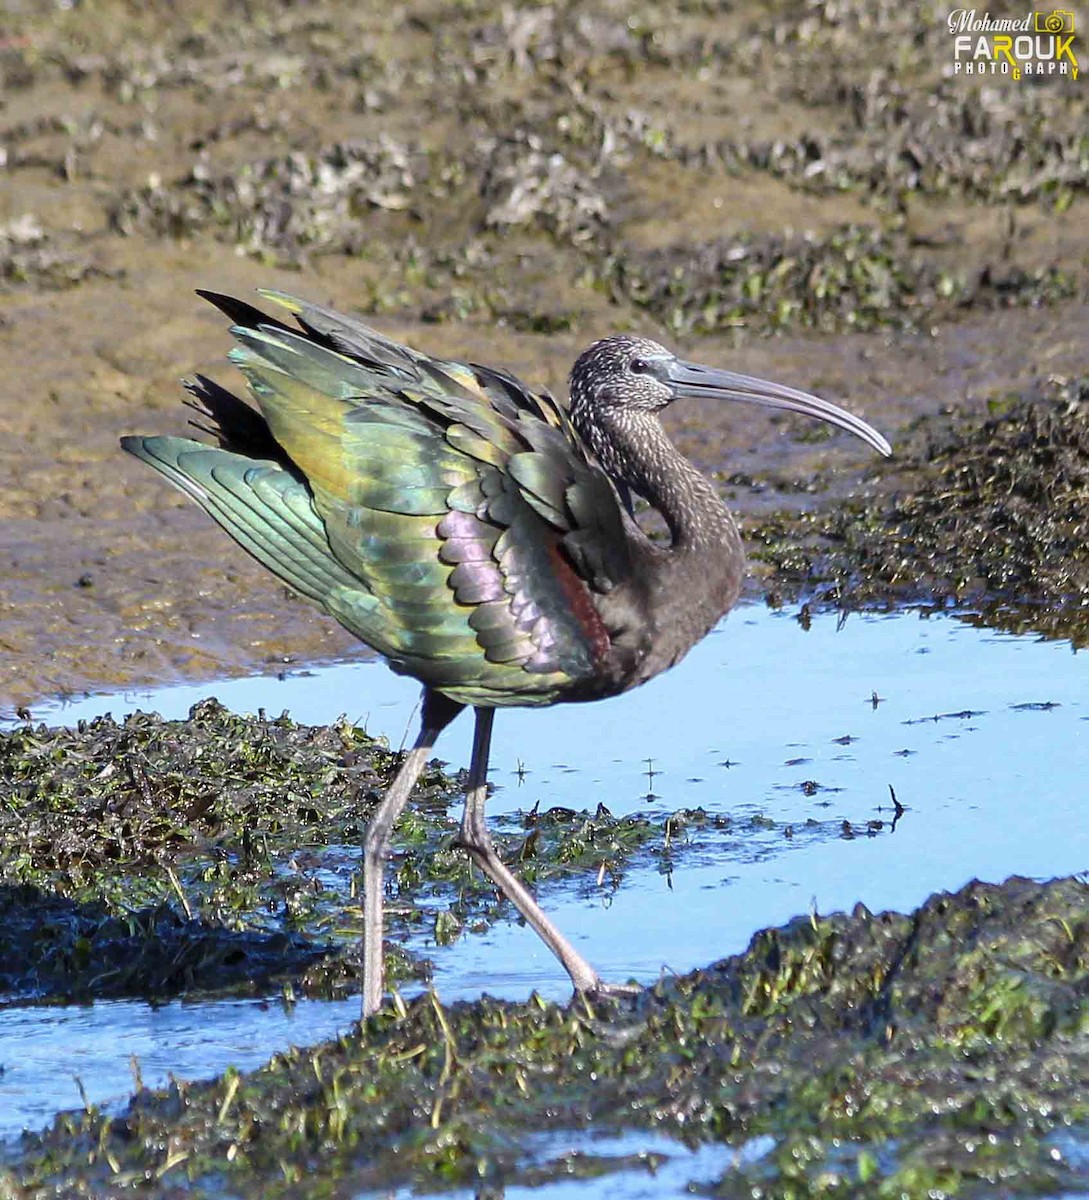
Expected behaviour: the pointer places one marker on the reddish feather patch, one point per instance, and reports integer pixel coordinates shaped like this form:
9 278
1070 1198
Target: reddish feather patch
582 605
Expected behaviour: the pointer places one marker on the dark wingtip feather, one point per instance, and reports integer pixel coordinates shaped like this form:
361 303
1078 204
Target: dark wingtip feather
239 312
231 421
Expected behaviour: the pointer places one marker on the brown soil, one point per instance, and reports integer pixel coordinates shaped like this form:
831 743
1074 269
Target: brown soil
528 182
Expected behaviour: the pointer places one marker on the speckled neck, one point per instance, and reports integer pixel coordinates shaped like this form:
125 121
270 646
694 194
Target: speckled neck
645 459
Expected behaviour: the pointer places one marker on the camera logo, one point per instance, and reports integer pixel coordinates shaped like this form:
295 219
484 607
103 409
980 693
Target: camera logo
1059 20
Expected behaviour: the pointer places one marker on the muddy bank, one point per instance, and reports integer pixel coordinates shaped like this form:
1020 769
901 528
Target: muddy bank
940 1052
776 189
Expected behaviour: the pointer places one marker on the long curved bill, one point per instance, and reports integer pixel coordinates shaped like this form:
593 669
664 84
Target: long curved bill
692 379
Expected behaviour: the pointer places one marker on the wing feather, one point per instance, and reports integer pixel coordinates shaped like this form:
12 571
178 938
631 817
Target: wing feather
440 510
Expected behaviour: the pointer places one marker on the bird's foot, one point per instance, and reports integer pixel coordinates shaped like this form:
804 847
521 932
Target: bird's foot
612 991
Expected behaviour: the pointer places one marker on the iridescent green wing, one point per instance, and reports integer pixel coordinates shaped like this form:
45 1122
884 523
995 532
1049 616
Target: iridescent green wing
552 467
438 510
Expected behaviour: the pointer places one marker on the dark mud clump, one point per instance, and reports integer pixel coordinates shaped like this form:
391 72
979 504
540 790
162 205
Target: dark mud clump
287 204
30 256
893 139
991 511
56 948
943 1052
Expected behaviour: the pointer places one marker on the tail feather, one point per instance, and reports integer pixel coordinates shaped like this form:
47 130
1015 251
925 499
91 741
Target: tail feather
295 355
347 336
231 421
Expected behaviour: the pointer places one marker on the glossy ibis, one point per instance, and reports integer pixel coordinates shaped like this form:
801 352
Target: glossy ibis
478 535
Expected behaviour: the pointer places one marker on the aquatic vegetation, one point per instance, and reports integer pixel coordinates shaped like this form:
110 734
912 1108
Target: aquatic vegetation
985 509
220 853
946 1049
853 278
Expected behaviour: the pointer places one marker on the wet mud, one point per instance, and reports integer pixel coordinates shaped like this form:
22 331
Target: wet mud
785 191
806 193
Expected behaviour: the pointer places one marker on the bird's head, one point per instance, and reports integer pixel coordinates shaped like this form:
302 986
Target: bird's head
621 377
623 374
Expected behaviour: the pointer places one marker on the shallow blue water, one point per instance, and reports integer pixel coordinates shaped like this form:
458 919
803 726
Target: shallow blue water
983 736
643 1166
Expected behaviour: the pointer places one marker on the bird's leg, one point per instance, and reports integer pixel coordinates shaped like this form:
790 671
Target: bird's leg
474 837
438 712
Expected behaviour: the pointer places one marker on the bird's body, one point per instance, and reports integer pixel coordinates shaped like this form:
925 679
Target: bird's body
477 535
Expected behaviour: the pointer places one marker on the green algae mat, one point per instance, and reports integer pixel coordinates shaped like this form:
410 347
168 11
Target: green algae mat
941 1053
945 1052
219 855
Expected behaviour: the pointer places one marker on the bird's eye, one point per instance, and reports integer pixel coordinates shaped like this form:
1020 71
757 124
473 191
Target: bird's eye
639 366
